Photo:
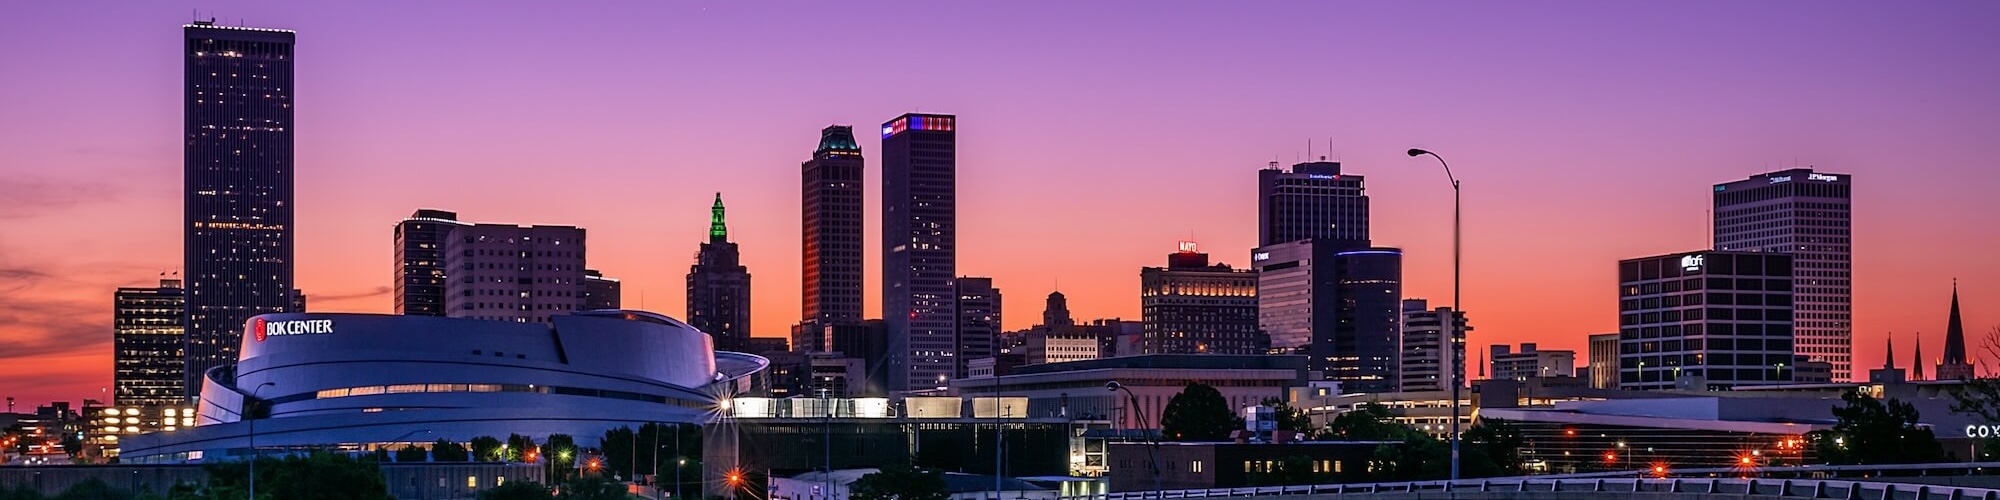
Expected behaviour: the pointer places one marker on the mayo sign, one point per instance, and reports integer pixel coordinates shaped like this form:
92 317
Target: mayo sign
265 329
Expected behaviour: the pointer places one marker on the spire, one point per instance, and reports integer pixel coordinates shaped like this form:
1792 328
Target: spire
1889 360
717 231
1954 332
1917 360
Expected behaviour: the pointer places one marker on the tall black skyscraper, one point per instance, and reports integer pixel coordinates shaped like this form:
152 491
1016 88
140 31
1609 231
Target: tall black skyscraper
979 313
1809 215
1314 200
238 168
146 330
831 207
420 271
718 298
919 245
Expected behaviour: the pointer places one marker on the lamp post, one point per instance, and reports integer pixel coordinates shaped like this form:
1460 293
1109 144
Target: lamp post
252 421
1458 309
1153 441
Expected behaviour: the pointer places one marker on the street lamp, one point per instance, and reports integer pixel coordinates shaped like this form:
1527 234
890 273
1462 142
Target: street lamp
1458 356
252 422
1152 440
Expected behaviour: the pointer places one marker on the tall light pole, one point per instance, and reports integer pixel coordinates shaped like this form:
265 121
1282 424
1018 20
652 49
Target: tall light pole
1458 309
251 419
1153 441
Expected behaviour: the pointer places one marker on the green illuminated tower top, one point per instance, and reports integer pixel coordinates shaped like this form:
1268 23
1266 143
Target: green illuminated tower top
717 231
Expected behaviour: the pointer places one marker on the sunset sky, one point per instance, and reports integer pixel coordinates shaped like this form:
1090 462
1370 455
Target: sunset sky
1093 137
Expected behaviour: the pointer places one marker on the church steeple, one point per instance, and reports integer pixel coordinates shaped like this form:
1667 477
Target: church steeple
1917 361
1889 360
1954 365
717 231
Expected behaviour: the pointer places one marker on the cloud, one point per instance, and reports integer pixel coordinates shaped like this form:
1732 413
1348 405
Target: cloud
313 298
24 198
34 322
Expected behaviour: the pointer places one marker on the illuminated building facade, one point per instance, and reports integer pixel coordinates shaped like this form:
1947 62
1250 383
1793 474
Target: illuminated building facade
920 249
237 231
1808 215
504 272
1705 320
831 206
148 366
1313 200
1194 307
1337 302
420 271
718 293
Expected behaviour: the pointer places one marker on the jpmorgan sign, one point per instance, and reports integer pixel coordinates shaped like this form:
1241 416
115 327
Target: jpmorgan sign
265 329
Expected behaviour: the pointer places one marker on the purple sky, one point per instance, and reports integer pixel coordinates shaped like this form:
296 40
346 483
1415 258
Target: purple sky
1093 136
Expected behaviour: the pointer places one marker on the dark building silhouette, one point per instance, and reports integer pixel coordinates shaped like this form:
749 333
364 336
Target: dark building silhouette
719 288
979 309
1194 307
148 367
1671 334
238 230
420 271
1337 302
920 249
601 292
832 211
1955 365
1809 215
1055 311
505 272
1313 200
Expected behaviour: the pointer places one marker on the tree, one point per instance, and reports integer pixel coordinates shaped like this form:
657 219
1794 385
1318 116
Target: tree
1198 413
93 489
516 490
412 454
518 446
1981 396
1372 422
1289 418
1500 442
487 449
1870 431
445 450
900 482
591 487
320 476
380 455
561 451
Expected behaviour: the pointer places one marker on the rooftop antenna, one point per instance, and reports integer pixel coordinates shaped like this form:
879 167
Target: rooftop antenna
1309 150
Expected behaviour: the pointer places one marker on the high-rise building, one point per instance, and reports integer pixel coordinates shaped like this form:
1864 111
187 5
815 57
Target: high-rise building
1193 307
420 270
148 367
831 207
505 272
1604 361
1954 366
1338 304
1705 320
1807 215
1313 200
1530 362
1428 348
920 249
601 292
237 233
718 295
978 320
1055 311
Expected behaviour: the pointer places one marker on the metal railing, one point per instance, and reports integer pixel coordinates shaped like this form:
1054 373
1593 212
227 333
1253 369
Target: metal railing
1775 488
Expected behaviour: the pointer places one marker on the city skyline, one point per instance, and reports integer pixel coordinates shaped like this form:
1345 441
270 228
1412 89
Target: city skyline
1635 127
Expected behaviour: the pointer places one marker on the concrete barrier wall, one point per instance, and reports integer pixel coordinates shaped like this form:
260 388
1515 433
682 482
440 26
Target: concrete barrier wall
414 481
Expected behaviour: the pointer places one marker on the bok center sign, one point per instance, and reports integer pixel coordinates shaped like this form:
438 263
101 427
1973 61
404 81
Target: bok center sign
265 329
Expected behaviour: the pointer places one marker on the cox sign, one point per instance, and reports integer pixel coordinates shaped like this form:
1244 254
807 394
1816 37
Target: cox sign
1978 430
